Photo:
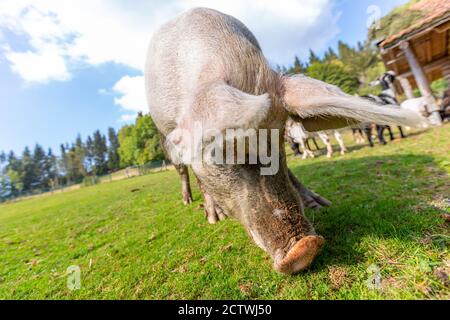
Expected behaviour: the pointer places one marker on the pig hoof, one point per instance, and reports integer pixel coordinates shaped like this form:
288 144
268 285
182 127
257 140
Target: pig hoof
300 255
187 199
212 218
315 201
220 214
214 214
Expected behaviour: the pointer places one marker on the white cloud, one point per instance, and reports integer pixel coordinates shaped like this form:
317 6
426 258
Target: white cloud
132 94
99 31
41 66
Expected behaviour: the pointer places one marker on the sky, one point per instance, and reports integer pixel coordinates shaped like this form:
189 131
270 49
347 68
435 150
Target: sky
74 66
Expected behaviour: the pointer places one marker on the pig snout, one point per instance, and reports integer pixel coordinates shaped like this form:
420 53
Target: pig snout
300 255
288 237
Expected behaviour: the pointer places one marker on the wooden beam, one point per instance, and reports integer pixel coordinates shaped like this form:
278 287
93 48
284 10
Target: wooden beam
394 66
395 58
442 28
429 67
428 51
446 71
422 81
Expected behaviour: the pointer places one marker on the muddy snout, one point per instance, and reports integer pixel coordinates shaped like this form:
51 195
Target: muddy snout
300 255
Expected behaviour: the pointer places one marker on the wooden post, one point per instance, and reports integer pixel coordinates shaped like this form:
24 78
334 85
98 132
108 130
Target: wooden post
422 82
406 86
446 71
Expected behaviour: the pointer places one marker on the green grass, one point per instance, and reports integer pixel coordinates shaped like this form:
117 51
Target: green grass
133 239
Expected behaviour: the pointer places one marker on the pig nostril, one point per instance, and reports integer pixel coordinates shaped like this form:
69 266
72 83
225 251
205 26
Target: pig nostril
300 255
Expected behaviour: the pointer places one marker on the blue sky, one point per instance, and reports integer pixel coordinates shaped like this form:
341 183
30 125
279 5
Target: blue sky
76 67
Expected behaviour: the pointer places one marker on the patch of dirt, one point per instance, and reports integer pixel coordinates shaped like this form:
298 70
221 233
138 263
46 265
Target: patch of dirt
13 242
180 269
138 289
390 283
152 237
245 288
446 217
33 262
442 273
440 203
425 288
338 276
226 248
102 230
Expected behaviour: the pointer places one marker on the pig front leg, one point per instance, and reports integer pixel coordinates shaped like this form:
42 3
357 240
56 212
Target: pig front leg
186 192
182 170
213 212
310 199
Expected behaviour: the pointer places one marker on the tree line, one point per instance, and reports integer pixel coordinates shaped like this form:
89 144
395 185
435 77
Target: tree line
37 169
350 68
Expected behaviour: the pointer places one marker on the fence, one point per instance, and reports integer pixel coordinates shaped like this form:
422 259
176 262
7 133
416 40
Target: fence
129 172
139 170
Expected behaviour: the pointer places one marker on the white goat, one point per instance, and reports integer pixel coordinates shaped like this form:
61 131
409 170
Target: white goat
297 132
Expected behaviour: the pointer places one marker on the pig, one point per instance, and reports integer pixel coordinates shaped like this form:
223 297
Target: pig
206 69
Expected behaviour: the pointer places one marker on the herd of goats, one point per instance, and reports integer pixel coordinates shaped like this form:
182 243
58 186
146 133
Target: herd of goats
299 139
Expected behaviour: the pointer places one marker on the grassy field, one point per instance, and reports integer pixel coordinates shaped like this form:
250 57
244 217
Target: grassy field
133 239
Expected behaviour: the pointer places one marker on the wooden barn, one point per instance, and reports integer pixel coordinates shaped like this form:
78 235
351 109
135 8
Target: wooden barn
420 53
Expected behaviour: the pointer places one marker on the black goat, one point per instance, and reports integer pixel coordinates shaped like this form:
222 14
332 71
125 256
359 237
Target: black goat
382 99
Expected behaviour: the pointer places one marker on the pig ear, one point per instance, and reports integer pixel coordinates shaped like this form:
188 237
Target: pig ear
219 106
215 108
321 106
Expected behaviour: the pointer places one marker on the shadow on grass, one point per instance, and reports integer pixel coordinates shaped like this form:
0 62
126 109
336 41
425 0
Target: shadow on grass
383 197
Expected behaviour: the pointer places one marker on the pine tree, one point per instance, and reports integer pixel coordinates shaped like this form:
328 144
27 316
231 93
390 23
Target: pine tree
99 153
64 163
27 170
113 154
298 67
2 157
51 169
89 154
313 58
40 178
10 180
79 158
330 55
281 69
13 162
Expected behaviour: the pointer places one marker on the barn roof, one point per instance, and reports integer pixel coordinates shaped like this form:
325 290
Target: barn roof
435 13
